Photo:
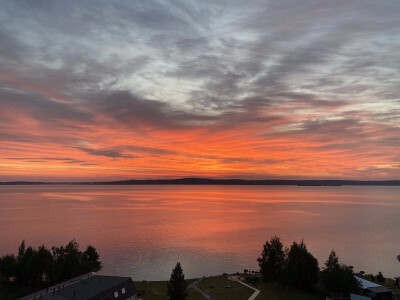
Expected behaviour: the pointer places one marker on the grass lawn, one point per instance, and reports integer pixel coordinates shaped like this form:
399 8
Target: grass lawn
195 295
157 290
279 293
215 287
153 290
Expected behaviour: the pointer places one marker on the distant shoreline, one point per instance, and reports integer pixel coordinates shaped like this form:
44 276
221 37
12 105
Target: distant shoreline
206 181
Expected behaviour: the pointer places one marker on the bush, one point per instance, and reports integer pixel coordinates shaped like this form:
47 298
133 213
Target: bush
380 277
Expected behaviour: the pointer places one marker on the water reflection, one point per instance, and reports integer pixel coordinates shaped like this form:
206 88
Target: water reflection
141 231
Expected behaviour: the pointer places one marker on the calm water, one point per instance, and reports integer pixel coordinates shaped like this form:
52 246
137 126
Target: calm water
142 231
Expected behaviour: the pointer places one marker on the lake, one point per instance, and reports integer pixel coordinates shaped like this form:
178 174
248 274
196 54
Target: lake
143 230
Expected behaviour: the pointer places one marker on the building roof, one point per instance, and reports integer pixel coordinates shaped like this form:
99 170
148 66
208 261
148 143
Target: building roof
81 288
379 289
358 297
365 283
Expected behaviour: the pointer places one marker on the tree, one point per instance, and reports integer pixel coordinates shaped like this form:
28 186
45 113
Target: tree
24 266
332 264
90 260
66 262
272 260
21 251
7 268
177 285
33 269
301 267
337 279
38 266
380 277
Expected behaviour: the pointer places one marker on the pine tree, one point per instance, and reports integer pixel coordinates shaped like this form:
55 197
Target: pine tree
332 264
338 279
177 285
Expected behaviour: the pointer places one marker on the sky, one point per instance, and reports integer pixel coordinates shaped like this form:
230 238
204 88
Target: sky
110 90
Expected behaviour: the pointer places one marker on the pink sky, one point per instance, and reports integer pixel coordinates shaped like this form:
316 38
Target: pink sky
256 91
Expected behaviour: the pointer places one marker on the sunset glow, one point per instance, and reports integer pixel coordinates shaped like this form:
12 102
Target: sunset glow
189 88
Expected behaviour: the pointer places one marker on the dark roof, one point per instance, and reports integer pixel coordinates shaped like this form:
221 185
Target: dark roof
85 288
379 289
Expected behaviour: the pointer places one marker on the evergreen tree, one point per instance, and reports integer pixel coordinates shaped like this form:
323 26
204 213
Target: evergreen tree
337 279
301 267
21 251
332 264
177 285
272 260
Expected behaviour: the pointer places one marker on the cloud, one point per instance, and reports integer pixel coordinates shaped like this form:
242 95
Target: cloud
252 88
106 153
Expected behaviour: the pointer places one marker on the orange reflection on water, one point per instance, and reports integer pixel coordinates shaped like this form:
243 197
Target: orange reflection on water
143 227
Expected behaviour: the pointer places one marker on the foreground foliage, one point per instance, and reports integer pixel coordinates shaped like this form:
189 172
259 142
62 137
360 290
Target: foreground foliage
294 267
301 267
34 269
338 279
297 268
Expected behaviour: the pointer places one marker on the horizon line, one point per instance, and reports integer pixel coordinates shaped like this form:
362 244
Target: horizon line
198 180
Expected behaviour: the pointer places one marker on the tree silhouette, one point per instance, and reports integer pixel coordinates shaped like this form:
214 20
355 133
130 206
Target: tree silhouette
177 285
337 279
272 260
301 268
7 268
34 269
90 260
380 277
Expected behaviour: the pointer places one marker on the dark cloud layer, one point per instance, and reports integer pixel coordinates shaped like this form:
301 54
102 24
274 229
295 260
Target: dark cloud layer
105 152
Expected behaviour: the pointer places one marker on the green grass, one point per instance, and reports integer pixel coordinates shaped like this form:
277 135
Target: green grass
195 295
215 287
274 292
157 290
153 290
